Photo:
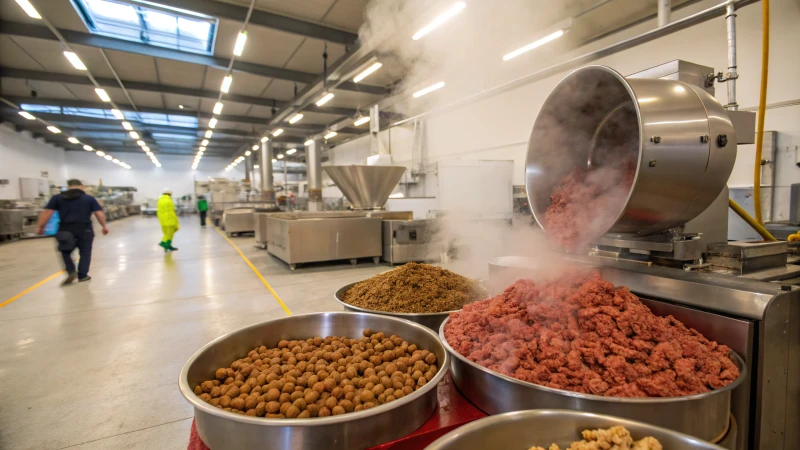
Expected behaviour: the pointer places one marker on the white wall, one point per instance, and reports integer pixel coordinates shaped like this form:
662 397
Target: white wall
499 126
23 156
175 172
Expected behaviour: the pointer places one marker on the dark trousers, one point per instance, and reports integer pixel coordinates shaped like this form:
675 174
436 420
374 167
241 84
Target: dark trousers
203 218
83 238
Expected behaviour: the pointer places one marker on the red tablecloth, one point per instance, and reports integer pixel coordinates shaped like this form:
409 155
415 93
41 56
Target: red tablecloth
453 410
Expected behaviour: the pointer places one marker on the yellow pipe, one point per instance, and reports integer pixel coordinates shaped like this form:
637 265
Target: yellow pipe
750 221
762 106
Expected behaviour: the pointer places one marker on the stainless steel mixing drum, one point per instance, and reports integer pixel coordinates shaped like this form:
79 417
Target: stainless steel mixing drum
677 136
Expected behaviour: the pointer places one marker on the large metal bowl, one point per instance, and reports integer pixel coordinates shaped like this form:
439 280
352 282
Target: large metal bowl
523 429
358 430
430 320
706 415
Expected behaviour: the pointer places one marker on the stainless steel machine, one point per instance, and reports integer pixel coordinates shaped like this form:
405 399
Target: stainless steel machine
663 241
261 223
409 240
238 220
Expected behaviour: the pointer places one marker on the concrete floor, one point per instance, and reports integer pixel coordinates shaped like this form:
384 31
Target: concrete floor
95 365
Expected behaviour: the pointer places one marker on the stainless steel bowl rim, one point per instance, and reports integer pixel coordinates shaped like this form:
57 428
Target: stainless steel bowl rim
600 398
490 420
635 101
383 313
195 400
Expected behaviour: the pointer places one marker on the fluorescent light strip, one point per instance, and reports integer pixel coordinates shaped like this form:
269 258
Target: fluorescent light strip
291 151
127 126
115 161
280 156
442 18
255 147
100 153
361 121
27 115
117 114
218 108
146 149
103 95
76 62
238 48
296 118
325 99
369 70
308 142
274 160
226 84
201 149
330 135
264 139
73 140
53 129
208 134
88 148
247 153
204 143
429 89
277 132
212 123
29 9
142 143
108 157
134 135
533 45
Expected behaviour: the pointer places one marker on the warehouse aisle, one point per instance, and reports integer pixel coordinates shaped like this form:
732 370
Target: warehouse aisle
95 365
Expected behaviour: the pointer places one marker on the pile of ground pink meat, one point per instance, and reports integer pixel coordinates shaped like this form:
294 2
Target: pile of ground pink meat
583 334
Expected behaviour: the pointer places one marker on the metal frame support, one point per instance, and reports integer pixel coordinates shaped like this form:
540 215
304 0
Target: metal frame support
732 75
664 11
374 129
248 169
267 184
314 165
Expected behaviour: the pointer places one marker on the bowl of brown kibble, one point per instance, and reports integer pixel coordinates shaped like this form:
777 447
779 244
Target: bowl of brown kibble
421 293
336 380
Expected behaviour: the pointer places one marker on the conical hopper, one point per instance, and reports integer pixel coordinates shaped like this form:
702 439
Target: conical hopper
366 187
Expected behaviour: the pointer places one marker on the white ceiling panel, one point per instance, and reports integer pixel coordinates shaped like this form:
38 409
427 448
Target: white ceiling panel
236 109
173 101
263 112
281 90
308 58
44 89
312 10
47 53
347 15
147 99
350 99
180 73
243 83
264 45
133 67
311 118
13 55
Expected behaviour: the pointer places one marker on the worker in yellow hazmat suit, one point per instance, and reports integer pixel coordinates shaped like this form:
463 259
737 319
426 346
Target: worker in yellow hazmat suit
168 219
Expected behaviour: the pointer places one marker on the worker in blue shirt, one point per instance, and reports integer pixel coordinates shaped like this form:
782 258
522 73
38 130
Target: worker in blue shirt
75 208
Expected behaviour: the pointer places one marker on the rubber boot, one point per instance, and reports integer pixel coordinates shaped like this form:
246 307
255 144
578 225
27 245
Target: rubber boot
164 245
170 247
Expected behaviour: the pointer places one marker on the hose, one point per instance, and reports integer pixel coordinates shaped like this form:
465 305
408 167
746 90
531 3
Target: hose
750 221
762 106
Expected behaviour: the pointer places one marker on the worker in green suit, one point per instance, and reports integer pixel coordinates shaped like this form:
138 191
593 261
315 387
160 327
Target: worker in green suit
202 208
168 219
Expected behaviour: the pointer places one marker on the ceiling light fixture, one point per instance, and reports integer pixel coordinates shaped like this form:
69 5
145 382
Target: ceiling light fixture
208 134
256 166
550 37
181 106
325 99
218 108
429 89
274 160
127 126
103 95
369 70
308 142
264 139
361 121
117 114
296 118
146 149
88 148
291 151
226 84
277 132
27 115
442 18
280 155
108 157
330 135
29 9
141 143
74 140
201 149
100 153
204 143
76 62
238 48
247 153
212 123
134 135
115 161
255 147
53 129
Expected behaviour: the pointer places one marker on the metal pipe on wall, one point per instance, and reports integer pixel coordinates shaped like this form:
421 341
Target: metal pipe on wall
732 75
664 10
248 170
267 186
374 129
314 165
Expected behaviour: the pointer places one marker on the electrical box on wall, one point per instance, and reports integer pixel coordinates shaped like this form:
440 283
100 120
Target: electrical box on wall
33 188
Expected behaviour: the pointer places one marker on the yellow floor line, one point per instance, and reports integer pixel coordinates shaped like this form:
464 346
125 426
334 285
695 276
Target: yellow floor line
260 277
30 289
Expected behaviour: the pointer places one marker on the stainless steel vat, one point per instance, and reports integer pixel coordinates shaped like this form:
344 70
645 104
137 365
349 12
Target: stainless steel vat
705 415
430 320
681 138
524 429
366 187
238 220
358 430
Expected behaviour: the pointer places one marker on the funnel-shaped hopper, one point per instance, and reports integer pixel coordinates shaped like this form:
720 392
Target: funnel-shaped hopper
366 187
